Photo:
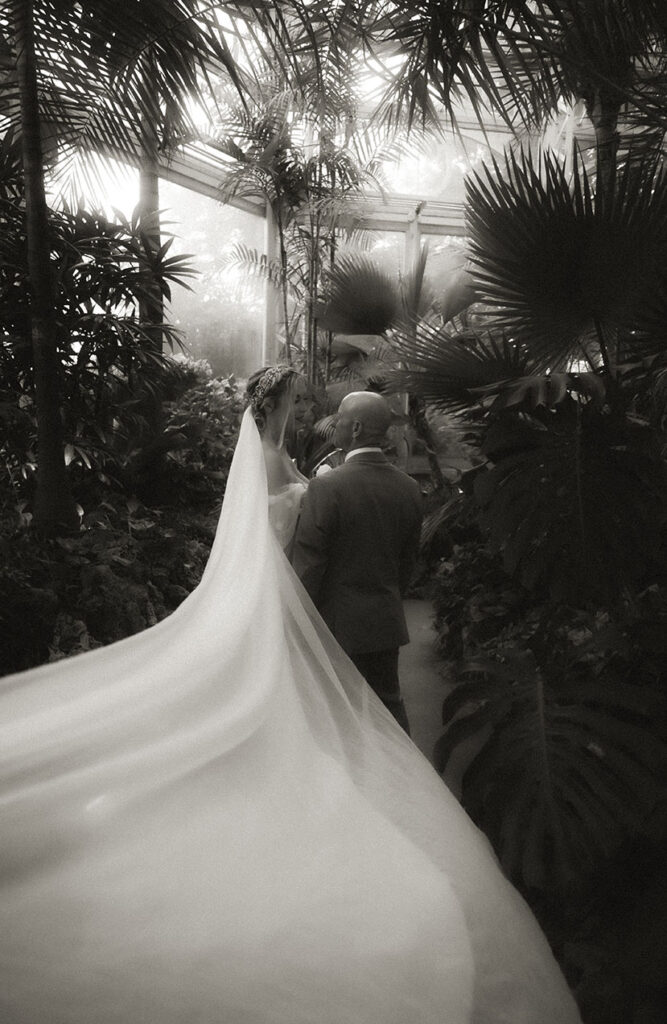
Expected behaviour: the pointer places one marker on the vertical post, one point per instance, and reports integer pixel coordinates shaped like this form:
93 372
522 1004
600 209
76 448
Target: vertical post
411 252
151 309
413 239
269 340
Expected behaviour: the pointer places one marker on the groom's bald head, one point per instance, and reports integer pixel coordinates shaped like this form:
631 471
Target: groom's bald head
364 418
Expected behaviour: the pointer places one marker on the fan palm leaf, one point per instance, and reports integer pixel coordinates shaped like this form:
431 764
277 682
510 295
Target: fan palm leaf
361 297
563 266
447 368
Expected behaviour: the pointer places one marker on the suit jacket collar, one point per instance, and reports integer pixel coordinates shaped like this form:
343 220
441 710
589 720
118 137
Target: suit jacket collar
367 458
364 450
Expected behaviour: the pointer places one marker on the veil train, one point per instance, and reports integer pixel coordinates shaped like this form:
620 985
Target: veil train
217 820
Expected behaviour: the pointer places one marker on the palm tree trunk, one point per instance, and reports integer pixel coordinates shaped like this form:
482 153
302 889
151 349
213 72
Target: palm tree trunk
604 117
311 298
312 302
283 268
151 307
151 310
54 511
332 263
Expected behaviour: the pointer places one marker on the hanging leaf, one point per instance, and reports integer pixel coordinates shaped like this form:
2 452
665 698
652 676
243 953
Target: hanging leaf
547 390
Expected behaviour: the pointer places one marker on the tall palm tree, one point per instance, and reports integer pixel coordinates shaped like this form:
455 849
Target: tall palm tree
115 79
559 372
518 60
54 509
259 142
312 191
75 68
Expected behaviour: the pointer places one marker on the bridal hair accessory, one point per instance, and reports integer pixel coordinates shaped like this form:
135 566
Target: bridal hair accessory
266 384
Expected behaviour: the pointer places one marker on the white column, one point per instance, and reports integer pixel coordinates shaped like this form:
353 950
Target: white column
412 239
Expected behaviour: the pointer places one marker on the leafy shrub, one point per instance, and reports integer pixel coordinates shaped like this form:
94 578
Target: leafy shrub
136 558
567 709
205 417
112 368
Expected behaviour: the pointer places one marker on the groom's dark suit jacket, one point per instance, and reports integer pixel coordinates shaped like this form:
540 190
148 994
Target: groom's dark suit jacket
355 549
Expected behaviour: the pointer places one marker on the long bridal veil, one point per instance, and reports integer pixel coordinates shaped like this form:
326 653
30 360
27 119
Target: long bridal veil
216 821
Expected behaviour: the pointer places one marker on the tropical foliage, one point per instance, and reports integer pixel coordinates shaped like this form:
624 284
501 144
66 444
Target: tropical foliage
578 280
102 269
150 504
549 348
556 739
312 180
74 76
116 81
555 609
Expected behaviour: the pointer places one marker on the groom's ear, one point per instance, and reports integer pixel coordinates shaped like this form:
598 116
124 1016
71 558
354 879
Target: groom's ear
357 428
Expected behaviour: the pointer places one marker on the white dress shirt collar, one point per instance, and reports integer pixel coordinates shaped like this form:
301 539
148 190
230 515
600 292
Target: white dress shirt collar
360 451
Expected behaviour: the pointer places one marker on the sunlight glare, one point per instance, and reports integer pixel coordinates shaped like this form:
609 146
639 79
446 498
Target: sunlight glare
98 182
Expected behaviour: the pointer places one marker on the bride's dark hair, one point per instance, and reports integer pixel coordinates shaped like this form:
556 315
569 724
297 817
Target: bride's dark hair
269 382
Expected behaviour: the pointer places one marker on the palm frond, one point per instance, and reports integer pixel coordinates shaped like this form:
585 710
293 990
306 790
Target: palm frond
446 369
562 264
544 390
458 294
255 263
361 298
453 50
417 296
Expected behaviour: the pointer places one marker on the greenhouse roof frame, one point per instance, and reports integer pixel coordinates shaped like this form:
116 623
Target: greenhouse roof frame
198 168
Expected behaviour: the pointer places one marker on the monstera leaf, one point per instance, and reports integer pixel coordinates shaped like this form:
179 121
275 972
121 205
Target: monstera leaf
563 770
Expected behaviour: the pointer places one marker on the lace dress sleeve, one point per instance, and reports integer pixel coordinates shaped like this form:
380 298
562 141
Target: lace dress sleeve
284 509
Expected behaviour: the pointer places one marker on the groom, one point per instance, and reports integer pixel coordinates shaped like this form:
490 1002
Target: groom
356 545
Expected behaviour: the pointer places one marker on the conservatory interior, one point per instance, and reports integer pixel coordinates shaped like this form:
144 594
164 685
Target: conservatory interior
460 206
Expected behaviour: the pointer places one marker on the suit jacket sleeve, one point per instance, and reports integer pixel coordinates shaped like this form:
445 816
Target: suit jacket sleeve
410 548
312 543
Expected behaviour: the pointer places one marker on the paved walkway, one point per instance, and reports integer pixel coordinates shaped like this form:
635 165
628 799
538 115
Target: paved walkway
425 685
421 680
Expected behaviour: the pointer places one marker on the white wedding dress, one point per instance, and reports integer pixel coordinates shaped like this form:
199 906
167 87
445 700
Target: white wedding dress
216 822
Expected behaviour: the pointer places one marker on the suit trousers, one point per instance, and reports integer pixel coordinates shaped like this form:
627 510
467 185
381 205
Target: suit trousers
380 670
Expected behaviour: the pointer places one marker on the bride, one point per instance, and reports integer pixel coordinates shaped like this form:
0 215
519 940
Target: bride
216 821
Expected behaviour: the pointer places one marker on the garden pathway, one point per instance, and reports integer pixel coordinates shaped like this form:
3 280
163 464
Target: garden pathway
420 673
425 685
